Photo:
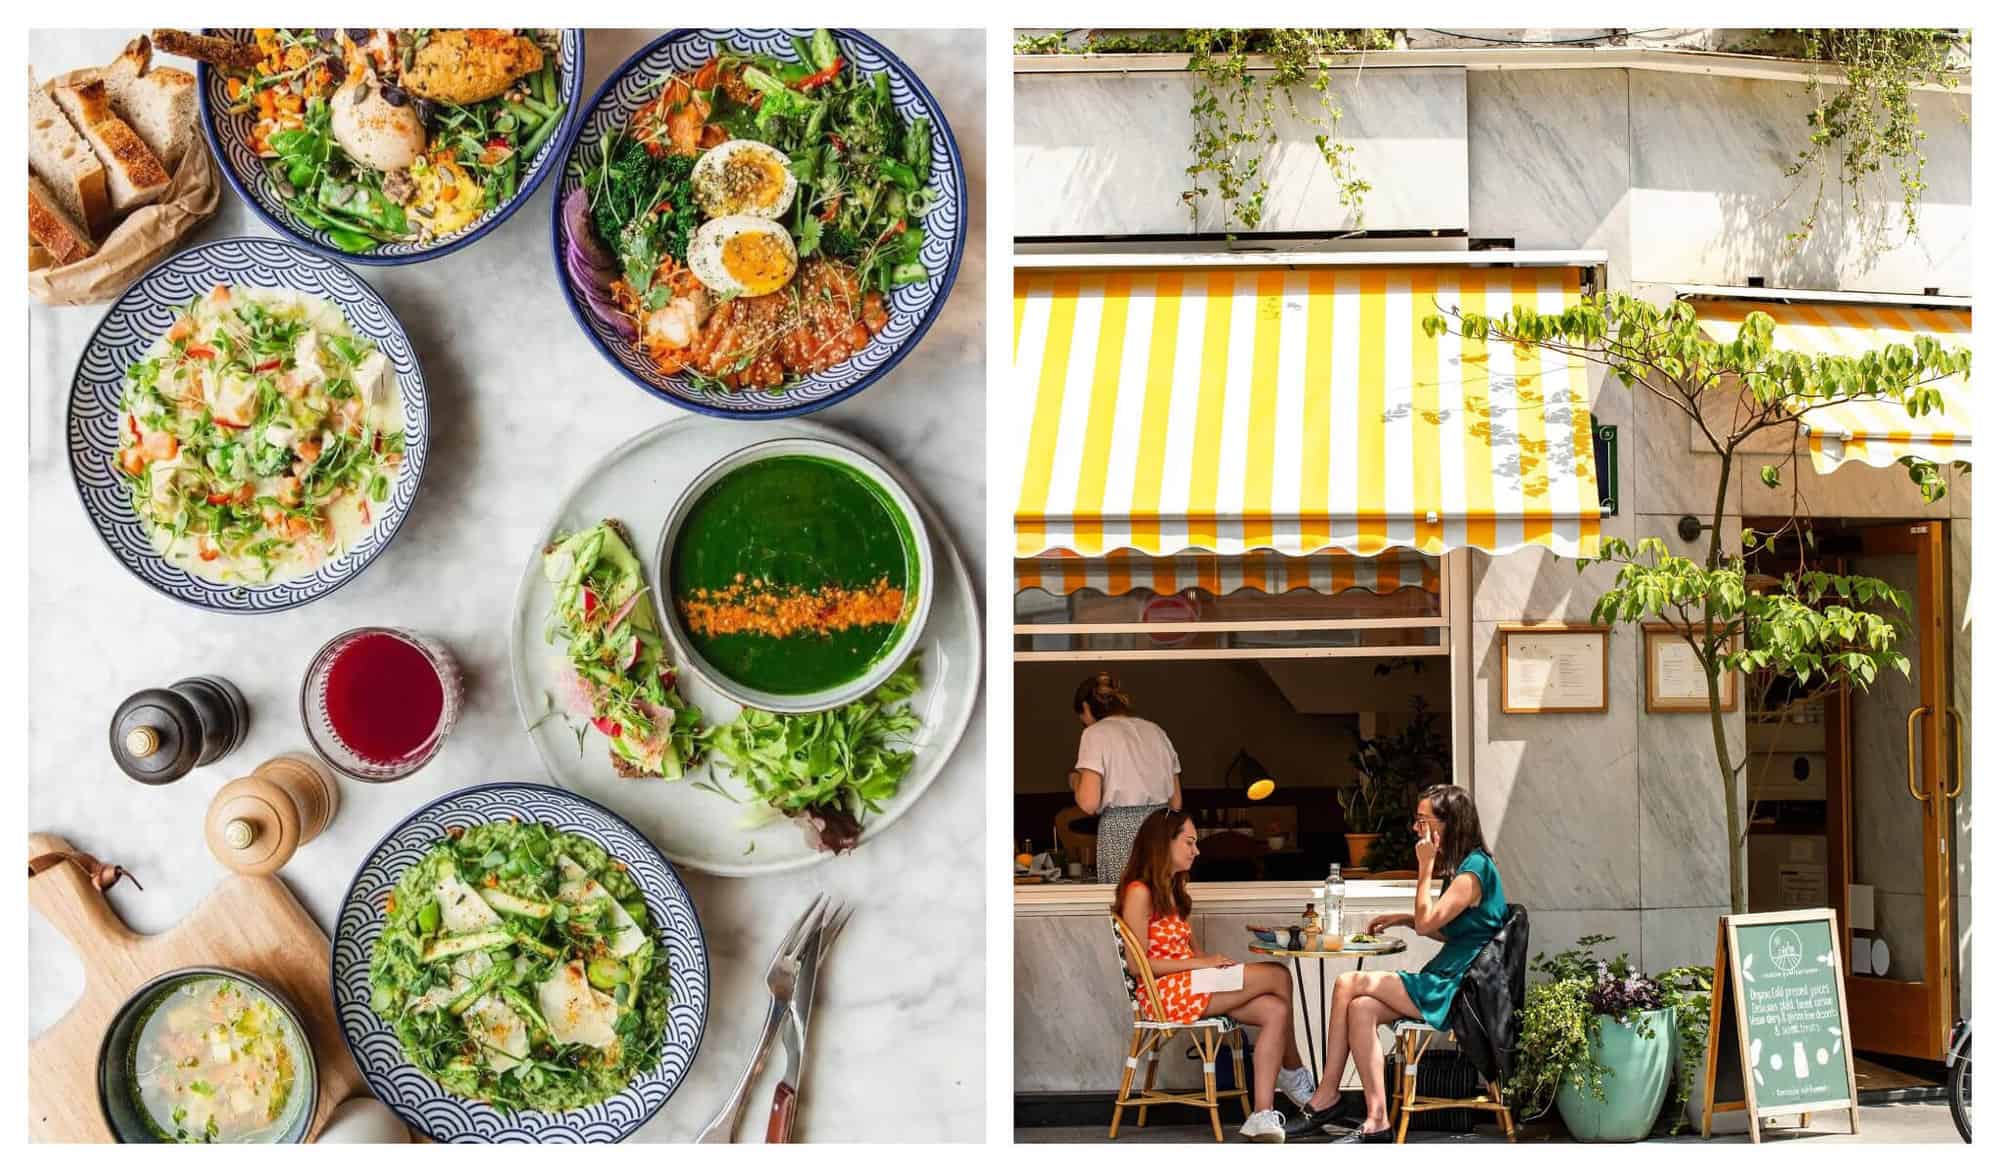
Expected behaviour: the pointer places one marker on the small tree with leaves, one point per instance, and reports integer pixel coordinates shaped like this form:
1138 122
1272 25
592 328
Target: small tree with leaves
1822 630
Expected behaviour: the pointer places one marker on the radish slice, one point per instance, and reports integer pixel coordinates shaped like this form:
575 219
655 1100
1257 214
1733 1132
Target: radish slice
631 653
626 609
606 725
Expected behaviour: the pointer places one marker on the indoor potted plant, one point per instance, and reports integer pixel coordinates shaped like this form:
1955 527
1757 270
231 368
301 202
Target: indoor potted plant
1607 1045
1389 772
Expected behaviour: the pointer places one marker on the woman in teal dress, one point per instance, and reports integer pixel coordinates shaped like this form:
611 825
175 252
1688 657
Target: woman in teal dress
1464 914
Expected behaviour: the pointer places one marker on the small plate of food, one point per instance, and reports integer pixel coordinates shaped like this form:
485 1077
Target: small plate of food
385 146
724 638
513 962
248 426
759 222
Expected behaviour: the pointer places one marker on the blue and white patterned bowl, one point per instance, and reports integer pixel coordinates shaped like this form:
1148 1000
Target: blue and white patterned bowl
137 319
229 139
912 308
438 1113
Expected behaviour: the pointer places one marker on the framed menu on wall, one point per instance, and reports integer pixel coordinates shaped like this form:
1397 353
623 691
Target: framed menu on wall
1674 679
1554 667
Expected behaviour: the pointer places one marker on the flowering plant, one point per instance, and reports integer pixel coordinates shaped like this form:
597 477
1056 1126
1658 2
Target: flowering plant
1565 1012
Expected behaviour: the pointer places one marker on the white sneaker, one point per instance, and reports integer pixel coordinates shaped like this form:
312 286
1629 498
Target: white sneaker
1264 1127
1297 1084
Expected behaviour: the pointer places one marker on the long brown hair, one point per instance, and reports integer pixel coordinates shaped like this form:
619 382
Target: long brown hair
1461 836
1099 696
1152 863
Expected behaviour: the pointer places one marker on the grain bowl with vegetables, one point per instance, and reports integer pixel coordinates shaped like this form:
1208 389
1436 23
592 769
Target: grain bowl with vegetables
385 146
760 221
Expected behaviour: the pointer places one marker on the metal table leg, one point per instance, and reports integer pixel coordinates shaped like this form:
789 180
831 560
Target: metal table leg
1305 1011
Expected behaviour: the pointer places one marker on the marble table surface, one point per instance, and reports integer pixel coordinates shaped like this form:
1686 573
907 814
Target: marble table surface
520 404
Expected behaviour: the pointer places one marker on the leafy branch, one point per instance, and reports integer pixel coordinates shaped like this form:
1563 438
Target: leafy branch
1822 630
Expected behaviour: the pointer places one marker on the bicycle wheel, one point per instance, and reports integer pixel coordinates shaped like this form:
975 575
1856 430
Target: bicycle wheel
1961 1094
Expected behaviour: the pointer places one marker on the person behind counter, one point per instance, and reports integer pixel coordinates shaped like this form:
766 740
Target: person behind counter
1126 769
1465 915
1153 901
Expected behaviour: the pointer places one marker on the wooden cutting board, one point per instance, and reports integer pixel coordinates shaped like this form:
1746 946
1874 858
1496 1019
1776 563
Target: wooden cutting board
253 925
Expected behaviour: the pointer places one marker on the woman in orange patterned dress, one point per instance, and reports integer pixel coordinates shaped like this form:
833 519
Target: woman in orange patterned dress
1153 901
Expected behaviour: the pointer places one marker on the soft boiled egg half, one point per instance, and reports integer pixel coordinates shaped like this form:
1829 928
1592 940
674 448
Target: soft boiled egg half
743 256
744 177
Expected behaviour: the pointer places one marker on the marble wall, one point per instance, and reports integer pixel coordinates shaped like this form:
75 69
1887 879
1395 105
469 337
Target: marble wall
1104 154
1711 204
1613 823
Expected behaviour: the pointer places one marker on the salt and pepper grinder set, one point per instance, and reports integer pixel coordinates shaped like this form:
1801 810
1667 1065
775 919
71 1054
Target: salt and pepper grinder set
255 824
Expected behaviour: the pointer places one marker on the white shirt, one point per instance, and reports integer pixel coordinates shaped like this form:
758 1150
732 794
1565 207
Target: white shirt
1135 759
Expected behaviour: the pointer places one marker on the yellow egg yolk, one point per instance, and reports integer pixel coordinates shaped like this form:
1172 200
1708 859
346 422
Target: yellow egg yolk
758 261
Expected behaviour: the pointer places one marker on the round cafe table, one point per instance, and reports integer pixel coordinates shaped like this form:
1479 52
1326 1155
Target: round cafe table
1298 956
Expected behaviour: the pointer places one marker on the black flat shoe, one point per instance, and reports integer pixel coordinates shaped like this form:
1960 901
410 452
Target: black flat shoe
1310 1123
1386 1135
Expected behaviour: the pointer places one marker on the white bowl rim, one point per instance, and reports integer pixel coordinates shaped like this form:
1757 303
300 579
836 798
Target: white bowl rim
686 658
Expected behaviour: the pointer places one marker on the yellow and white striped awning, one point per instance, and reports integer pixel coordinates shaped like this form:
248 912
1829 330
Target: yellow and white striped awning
1295 410
1125 571
1879 433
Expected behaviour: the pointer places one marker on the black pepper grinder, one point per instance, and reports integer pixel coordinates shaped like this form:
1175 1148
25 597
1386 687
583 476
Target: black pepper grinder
159 734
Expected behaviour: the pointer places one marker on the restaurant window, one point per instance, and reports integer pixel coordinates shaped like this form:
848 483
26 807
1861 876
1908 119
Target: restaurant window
1257 666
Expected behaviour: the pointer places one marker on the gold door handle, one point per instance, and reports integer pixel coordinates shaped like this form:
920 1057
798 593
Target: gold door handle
1957 753
1910 745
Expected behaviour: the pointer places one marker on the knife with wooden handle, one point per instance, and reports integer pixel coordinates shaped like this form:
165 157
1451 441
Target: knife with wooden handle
785 1100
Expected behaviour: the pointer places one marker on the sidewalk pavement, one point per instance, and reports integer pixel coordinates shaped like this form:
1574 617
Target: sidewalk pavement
1888 1123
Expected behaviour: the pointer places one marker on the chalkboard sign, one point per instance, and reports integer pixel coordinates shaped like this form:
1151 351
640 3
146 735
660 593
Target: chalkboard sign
1777 1022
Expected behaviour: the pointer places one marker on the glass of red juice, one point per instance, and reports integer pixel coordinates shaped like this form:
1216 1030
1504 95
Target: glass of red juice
378 702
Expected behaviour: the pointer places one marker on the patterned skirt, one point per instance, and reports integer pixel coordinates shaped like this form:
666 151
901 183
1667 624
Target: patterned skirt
1117 826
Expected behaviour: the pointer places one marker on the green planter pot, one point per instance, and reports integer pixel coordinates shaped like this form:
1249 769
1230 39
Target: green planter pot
1635 1083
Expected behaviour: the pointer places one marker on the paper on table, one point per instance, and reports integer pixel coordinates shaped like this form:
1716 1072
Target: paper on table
1223 980
139 241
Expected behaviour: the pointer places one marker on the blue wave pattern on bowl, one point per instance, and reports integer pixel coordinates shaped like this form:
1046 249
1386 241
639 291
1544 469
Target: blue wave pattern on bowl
130 327
411 1093
912 307
229 139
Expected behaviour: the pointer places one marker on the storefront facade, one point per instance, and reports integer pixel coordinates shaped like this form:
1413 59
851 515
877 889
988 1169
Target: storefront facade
1660 177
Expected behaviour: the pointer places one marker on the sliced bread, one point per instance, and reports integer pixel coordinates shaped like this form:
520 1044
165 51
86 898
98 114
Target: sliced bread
136 177
159 103
54 229
59 154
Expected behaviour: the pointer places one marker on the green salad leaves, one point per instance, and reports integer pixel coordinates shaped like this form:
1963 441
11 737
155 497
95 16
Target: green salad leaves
833 767
518 966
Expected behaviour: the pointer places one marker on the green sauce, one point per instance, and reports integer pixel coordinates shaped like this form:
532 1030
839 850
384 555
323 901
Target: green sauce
793 523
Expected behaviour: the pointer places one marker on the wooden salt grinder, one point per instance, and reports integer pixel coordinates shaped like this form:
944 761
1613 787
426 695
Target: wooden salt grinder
257 823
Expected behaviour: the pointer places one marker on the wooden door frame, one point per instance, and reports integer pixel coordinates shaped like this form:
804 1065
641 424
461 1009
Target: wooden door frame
1927 1026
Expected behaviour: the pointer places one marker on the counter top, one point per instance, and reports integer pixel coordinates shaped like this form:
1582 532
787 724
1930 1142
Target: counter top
1076 899
521 403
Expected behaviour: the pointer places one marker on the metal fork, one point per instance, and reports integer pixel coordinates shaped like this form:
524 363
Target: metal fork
785 1100
780 977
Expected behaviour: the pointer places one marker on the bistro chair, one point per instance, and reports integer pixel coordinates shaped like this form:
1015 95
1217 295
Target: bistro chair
1414 1039
1151 1033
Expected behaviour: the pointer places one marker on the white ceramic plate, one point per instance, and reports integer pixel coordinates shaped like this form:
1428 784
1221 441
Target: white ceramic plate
637 483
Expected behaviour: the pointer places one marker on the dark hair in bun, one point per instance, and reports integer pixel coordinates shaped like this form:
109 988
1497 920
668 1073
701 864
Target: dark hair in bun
1099 696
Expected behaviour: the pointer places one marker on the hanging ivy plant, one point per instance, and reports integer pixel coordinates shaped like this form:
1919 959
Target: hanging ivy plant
1869 124
1235 109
